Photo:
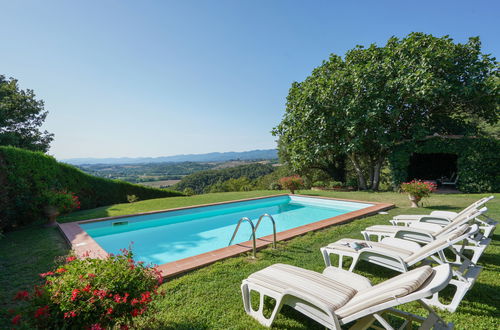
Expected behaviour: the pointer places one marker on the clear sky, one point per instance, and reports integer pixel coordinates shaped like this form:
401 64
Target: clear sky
157 78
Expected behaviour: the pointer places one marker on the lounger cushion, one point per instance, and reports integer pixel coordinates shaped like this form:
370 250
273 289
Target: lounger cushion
437 244
341 245
281 278
395 287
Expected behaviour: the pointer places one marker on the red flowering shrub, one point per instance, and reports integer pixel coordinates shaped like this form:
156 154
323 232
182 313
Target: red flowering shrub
64 201
418 188
90 293
291 183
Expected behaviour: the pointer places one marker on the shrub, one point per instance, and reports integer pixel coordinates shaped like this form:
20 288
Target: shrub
275 186
291 183
188 192
334 184
321 184
132 198
90 293
419 189
63 201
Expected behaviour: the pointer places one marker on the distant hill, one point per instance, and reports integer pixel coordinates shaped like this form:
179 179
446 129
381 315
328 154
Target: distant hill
210 157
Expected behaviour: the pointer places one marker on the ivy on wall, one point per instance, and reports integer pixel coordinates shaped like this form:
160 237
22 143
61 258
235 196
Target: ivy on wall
478 161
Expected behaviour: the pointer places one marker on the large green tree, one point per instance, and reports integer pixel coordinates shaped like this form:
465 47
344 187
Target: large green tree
359 107
21 116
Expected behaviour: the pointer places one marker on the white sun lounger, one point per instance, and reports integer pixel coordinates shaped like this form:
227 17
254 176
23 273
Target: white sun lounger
338 297
423 232
486 224
400 255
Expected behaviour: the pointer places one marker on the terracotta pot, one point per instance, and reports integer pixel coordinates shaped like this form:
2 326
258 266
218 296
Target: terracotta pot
52 213
414 200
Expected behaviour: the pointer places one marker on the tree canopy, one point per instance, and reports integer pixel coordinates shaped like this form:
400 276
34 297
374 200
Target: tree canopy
361 106
21 116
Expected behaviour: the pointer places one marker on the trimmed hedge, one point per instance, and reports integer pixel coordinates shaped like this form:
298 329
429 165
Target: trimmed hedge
478 161
25 175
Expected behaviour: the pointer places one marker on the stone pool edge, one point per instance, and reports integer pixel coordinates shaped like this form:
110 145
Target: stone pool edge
84 245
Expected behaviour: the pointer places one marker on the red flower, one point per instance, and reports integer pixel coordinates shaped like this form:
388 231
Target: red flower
86 288
42 311
134 312
60 270
110 310
22 295
123 327
69 314
96 326
117 298
16 319
46 274
74 294
134 301
91 275
70 259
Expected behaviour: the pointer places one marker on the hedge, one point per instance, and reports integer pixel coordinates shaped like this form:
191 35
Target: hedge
478 161
25 175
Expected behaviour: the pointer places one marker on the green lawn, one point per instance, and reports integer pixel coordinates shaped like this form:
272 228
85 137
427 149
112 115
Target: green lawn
210 297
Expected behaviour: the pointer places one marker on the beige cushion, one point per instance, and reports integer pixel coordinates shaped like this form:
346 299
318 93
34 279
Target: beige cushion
395 287
280 277
339 245
437 244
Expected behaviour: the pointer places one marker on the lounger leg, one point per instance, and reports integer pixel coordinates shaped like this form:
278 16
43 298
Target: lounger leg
326 257
259 314
464 283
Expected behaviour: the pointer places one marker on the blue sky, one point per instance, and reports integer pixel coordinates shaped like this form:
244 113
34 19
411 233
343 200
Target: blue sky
156 78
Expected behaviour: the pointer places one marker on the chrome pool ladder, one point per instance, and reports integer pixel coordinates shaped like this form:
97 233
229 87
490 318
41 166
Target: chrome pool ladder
254 229
265 215
253 233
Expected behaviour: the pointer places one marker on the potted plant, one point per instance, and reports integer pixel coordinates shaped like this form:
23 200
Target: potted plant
417 189
59 202
292 183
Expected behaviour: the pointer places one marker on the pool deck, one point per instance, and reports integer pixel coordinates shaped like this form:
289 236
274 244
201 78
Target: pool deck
84 245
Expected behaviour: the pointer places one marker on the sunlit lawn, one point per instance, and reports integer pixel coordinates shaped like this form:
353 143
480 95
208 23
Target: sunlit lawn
210 297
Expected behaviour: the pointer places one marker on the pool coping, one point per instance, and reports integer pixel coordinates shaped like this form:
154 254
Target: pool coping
84 245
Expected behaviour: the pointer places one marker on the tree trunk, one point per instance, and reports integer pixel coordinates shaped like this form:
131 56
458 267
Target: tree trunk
359 172
376 176
371 171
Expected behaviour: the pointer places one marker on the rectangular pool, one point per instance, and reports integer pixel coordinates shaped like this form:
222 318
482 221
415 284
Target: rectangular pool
170 236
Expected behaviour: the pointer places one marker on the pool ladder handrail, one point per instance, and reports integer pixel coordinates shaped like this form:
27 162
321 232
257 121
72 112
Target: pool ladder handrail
266 215
253 234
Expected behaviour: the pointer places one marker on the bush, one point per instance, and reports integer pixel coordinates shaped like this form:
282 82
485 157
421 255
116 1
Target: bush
26 177
63 201
132 198
292 183
90 293
275 186
188 192
334 184
320 184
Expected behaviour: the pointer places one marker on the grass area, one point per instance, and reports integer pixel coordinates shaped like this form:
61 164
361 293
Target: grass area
210 297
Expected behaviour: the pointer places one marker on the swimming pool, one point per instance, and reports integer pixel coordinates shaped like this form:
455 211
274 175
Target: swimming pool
184 234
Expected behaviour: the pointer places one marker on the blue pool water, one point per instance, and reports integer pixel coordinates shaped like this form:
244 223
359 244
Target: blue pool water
168 236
